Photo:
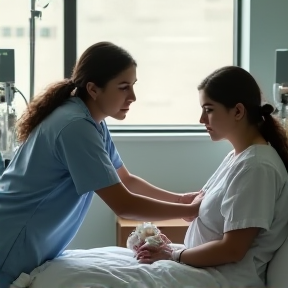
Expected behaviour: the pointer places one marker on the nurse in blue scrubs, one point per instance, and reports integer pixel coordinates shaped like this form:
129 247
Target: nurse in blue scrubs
66 156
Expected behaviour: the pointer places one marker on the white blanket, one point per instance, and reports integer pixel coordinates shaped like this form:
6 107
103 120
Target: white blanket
116 267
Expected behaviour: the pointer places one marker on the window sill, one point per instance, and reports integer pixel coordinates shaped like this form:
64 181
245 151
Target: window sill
156 136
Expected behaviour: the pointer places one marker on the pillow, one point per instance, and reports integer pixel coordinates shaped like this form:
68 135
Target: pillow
277 272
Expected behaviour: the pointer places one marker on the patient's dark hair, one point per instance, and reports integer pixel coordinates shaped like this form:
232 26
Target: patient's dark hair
231 85
99 64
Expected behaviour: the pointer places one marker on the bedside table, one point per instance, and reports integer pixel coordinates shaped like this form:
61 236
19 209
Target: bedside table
174 229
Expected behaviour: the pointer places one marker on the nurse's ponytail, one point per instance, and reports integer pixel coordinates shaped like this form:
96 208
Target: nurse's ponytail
43 105
99 64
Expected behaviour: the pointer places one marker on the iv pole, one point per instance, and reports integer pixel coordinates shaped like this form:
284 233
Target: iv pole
34 14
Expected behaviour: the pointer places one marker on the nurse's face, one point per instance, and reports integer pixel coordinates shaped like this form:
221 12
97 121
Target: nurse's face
115 99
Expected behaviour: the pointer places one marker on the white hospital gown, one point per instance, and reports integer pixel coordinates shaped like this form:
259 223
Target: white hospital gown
247 190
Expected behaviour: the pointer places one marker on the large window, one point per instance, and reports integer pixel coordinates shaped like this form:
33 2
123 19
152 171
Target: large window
49 60
176 44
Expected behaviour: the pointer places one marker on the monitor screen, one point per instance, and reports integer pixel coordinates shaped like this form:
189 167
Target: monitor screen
7 65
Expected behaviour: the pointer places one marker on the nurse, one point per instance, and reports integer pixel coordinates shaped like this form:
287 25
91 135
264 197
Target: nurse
66 154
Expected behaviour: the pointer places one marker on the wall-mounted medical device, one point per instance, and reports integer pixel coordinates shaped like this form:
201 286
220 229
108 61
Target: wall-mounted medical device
280 86
7 111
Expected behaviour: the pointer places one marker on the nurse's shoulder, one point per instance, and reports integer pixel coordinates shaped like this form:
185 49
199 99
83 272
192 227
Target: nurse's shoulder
70 111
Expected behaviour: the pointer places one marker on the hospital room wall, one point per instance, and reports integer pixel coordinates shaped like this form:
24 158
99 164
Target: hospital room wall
184 163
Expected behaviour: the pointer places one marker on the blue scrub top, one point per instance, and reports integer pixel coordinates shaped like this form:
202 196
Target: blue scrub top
46 190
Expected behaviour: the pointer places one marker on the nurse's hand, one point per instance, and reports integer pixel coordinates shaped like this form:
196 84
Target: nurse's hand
194 198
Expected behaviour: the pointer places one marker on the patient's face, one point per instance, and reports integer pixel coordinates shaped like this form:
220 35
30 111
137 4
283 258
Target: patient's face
219 120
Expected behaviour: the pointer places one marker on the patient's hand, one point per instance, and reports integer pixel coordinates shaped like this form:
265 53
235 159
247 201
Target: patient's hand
192 198
148 254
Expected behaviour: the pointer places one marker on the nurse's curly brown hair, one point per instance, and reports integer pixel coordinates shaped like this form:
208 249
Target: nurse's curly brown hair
41 106
99 64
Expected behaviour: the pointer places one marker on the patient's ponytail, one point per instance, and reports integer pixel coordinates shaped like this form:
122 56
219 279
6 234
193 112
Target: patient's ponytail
274 133
43 105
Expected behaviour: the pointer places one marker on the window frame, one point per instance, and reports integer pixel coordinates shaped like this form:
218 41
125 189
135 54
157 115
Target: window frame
70 57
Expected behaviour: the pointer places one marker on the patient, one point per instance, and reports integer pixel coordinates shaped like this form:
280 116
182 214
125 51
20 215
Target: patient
243 217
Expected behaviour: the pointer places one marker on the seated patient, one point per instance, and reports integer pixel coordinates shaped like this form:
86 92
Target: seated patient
243 216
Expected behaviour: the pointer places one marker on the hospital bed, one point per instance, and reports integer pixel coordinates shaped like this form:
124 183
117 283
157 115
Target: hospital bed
116 267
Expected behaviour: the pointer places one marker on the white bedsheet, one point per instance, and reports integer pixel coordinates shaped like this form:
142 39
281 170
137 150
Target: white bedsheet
116 267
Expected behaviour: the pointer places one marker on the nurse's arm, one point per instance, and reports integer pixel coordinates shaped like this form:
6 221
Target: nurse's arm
133 206
232 248
141 187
